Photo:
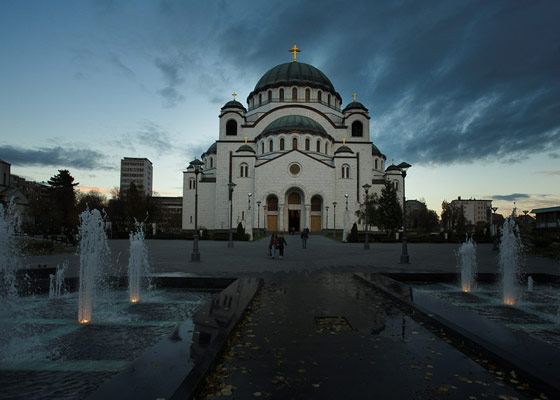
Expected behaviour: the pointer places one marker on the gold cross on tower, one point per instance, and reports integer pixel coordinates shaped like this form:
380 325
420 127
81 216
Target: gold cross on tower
246 138
294 50
354 96
234 95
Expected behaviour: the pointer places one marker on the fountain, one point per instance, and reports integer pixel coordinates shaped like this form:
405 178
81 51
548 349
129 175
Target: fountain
56 280
9 260
137 263
467 265
93 257
510 260
530 284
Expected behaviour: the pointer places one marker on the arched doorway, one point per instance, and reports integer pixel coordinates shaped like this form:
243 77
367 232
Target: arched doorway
294 201
316 213
272 213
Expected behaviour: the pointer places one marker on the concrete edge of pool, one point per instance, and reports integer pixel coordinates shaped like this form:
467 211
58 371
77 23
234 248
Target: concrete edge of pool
536 361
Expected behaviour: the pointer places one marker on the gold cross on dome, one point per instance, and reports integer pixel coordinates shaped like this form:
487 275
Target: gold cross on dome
294 50
246 138
354 96
234 95
344 140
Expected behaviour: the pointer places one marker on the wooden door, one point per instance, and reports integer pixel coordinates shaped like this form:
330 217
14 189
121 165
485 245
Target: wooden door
272 223
315 223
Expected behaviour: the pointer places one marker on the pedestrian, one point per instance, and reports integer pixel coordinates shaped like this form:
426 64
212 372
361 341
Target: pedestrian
281 242
272 245
304 237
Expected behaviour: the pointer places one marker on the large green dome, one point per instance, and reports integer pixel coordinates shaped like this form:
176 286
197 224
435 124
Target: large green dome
294 74
291 123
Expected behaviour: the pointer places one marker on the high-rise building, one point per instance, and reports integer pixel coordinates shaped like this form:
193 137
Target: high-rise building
139 171
476 211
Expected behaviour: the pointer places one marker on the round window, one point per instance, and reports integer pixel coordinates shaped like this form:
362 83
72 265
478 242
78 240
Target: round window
295 169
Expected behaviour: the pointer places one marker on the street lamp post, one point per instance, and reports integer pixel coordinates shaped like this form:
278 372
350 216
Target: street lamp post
366 242
327 208
197 165
334 218
405 259
258 216
346 199
231 185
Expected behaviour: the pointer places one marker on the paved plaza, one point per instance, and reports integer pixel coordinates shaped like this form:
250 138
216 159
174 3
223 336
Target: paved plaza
321 253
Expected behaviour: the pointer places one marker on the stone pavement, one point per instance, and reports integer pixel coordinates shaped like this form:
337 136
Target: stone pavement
321 253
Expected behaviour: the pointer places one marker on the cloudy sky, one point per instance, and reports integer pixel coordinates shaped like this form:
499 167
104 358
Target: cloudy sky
466 91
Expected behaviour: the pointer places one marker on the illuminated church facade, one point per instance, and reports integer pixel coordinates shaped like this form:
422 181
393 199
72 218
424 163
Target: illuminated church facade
295 157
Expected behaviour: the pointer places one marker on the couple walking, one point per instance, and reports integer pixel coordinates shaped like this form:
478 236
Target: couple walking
276 246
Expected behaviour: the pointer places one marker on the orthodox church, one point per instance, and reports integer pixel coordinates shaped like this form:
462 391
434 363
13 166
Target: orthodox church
295 158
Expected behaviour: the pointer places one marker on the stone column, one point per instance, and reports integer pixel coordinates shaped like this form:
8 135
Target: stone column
307 216
280 217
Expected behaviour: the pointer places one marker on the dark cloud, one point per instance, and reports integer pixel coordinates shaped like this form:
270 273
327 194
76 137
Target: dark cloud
549 172
554 156
171 70
54 157
445 81
511 197
150 137
121 66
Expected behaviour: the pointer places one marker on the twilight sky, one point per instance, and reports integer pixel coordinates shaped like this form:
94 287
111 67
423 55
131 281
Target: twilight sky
468 92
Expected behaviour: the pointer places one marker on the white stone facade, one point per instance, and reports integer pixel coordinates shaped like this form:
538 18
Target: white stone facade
282 185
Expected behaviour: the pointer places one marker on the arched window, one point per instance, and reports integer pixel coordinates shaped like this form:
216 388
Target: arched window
319 96
326 147
294 94
294 198
396 185
270 145
281 144
270 96
260 99
329 99
294 144
316 203
318 146
281 94
345 171
243 170
231 128
376 163
307 95
307 144
262 147
272 203
191 183
211 162
357 129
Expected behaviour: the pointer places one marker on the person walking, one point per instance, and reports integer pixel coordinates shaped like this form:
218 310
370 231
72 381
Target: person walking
272 245
281 243
304 237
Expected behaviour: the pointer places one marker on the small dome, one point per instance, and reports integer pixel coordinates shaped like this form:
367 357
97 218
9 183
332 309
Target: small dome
234 104
291 123
355 105
392 167
343 149
376 152
245 147
211 150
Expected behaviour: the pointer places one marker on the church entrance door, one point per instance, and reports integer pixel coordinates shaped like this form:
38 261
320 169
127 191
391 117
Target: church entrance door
294 217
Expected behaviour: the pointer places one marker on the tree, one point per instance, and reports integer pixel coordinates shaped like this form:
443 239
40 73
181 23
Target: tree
91 200
389 212
63 202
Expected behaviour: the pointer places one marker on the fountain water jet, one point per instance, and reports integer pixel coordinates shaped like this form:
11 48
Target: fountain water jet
93 257
467 265
9 259
137 263
510 261
56 284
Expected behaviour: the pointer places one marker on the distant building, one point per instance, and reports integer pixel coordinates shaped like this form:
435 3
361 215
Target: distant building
170 213
139 171
4 173
414 205
475 211
547 218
